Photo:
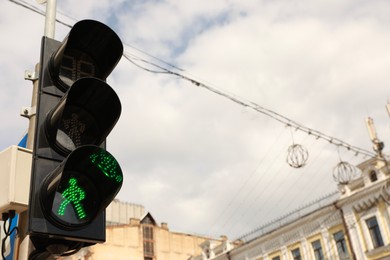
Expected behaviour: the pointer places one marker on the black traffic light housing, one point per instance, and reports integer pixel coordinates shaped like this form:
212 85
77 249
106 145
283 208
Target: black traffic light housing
73 177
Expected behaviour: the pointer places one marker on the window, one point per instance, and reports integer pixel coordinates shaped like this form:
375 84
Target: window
317 248
148 248
148 232
148 242
341 245
296 254
276 258
375 232
373 176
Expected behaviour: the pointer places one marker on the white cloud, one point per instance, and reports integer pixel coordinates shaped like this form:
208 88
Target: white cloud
188 154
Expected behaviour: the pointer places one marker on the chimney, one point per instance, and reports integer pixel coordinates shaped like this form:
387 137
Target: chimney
134 222
164 225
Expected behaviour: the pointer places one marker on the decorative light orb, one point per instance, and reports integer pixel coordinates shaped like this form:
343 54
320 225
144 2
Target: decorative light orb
297 156
385 192
344 172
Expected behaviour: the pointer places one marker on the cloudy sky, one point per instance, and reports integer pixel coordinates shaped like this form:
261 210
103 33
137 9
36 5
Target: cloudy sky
195 159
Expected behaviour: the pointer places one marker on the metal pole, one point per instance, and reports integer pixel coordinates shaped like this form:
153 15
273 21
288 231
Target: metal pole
24 246
50 21
31 126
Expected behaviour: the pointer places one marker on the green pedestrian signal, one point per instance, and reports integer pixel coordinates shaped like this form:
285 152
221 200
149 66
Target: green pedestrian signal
73 195
81 187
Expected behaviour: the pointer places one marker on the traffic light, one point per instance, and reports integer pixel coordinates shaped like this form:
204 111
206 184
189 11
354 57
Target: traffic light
73 177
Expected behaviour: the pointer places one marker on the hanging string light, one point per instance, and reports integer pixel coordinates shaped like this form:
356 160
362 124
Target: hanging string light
385 191
344 172
297 155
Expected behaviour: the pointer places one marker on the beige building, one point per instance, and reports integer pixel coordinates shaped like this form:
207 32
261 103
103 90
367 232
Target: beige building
353 224
144 239
119 212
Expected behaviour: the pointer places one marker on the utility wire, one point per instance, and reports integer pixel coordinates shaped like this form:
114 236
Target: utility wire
36 10
27 6
286 219
244 185
9 216
276 116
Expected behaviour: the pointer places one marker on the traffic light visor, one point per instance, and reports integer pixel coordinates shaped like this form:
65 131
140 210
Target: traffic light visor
91 49
85 115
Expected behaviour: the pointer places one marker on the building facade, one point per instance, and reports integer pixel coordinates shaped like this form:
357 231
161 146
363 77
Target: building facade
353 225
119 212
144 239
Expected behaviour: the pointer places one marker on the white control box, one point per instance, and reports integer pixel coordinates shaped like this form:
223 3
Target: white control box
15 173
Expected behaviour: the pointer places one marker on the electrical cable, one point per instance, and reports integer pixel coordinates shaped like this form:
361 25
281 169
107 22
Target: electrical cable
259 196
291 198
274 115
27 6
278 117
7 217
254 199
261 213
252 233
245 184
36 10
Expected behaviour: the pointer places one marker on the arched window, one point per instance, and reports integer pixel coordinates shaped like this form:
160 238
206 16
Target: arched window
373 176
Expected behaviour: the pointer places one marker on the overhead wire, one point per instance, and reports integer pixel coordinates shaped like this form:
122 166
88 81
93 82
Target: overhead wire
250 189
264 194
316 170
279 186
36 10
290 123
258 232
291 193
251 236
238 100
28 6
252 198
272 114
276 116
287 191
235 196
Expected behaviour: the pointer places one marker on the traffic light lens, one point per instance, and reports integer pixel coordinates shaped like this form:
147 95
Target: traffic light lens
73 194
83 185
75 201
76 65
85 115
77 127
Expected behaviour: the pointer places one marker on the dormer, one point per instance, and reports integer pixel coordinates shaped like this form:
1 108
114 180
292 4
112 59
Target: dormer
373 171
208 249
148 219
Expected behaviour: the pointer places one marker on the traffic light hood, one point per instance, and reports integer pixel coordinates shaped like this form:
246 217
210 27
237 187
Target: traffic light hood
86 114
90 49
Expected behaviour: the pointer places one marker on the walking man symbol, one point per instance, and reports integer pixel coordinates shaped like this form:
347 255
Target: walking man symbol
73 195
